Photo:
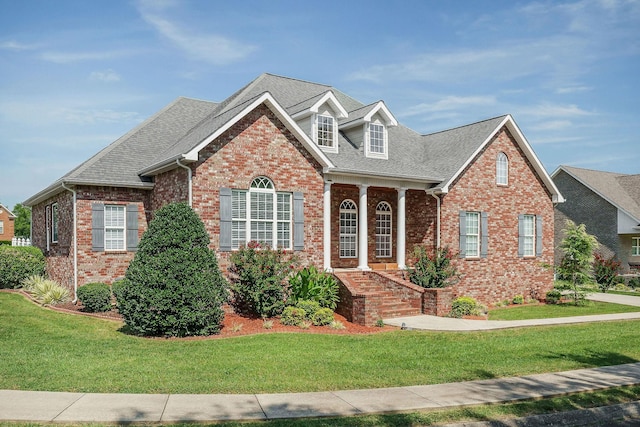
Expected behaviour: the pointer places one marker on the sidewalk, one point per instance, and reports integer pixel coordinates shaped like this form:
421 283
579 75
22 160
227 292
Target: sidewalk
35 406
435 323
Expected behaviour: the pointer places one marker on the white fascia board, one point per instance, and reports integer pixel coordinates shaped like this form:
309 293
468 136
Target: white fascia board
277 109
331 99
508 121
384 111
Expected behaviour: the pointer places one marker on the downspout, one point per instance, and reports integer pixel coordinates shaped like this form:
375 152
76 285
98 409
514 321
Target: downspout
435 196
75 245
189 178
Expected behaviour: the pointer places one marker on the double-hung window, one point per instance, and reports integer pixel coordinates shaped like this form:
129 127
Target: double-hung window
348 229
635 246
529 235
325 136
261 214
473 234
383 230
54 223
376 145
114 228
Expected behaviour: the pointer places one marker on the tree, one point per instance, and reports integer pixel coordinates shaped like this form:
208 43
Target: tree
173 286
577 247
22 223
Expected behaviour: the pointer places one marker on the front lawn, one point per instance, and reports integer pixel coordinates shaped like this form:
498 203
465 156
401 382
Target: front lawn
45 350
543 311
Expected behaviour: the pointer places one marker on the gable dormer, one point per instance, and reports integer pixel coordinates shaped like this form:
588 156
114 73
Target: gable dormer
369 125
319 117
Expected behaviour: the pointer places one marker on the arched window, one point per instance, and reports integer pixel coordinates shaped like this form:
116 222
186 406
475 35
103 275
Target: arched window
502 169
383 230
262 214
348 229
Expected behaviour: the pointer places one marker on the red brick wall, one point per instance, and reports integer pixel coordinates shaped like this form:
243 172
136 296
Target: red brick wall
8 225
259 145
501 275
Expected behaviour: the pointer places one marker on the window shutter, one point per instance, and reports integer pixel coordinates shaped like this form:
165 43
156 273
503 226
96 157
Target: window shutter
538 235
463 234
132 227
97 227
484 230
226 215
521 236
298 221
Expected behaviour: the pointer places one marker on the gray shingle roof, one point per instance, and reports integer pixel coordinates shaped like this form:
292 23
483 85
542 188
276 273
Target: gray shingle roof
184 124
622 190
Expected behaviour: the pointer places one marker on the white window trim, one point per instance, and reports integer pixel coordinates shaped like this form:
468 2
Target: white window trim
502 164
350 235
531 237
1 226
112 227
635 246
248 220
54 223
388 250
327 148
367 140
477 235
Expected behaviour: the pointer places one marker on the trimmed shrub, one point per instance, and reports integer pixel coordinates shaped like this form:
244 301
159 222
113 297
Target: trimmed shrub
433 269
293 316
312 284
553 296
310 307
518 299
258 279
322 317
95 297
173 286
465 306
19 262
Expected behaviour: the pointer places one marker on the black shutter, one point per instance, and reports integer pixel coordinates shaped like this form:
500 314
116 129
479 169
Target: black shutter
463 234
298 221
97 227
132 227
226 215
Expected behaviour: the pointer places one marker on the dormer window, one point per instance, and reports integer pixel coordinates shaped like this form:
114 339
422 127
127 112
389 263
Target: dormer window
376 140
325 131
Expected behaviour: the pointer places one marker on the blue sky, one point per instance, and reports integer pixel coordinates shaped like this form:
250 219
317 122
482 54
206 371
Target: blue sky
75 74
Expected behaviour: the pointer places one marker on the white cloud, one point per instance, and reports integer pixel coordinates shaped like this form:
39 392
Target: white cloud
212 48
573 89
17 46
553 125
556 110
449 103
105 76
69 57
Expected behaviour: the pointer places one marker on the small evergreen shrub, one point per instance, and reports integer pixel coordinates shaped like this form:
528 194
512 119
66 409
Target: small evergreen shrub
310 307
95 297
173 286
465 306
19 262
312 284
433 269
518 299
293 316
322 317
336 324
45 291
258 279
553 296
634 283
380 323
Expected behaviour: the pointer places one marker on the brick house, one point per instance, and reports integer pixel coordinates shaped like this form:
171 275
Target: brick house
305 167
608 204
7 224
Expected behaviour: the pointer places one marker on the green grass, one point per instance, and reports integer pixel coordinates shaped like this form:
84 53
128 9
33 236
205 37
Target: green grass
45 350
543 311
630 293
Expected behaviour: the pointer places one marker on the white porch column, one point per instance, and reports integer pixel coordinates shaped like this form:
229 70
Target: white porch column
363 249
402 230
326 238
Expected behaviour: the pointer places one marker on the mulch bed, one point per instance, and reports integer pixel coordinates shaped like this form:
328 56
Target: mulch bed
235 325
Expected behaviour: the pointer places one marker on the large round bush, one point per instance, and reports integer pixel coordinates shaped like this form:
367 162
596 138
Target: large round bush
173 286
19 262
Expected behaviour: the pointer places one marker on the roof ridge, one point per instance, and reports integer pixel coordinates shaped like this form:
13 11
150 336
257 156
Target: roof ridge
596 170
467 125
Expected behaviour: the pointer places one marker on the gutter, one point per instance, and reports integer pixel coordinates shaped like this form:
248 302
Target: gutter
75 244
190 181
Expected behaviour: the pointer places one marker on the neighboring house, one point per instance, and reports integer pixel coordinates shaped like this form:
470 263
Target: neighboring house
305 167
7 224
608 204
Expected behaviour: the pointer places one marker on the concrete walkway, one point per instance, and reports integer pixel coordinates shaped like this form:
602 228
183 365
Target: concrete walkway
35 406
434 323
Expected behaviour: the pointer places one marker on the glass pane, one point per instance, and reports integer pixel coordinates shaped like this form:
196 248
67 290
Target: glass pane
284 207
238 204
114 239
